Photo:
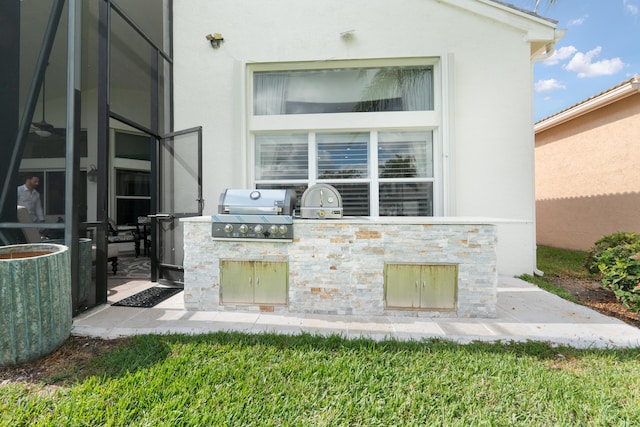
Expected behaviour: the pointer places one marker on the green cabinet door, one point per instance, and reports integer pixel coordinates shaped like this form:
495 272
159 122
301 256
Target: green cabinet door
438 287
253 282
402 285
270 282
236 282
421 286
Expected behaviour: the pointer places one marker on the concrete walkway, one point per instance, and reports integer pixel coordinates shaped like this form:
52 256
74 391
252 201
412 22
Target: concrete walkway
524 312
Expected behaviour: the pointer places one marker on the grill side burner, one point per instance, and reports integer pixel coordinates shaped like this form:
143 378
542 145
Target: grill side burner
255 215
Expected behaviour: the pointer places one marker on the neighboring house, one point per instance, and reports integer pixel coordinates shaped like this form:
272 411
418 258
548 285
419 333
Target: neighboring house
301 92
588 169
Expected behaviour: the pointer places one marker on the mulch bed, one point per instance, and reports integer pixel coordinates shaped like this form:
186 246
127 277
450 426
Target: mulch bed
67 363
592 294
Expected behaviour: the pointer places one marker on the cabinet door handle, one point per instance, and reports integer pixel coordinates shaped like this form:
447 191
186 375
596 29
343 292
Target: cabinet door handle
257 282
251 282
416 285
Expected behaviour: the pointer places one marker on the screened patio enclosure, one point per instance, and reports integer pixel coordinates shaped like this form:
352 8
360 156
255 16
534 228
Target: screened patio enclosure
85 97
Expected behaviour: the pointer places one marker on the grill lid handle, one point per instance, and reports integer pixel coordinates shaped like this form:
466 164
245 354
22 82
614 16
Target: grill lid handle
162 216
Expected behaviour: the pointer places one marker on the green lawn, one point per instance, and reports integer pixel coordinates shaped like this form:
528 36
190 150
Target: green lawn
554 262
239 379
562 262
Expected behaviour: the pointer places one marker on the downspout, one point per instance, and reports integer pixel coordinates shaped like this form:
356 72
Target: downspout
549 49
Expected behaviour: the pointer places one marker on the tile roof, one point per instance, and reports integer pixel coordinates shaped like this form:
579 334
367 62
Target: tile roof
528 12
635 80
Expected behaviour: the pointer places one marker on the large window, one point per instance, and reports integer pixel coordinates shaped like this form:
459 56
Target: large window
343 90
367 131
389 171
133 195
132 146
131 162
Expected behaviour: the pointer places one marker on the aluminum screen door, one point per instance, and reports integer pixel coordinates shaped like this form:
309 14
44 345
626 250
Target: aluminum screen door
179 178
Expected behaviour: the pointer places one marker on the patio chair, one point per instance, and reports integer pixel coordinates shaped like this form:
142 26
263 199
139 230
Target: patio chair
141 234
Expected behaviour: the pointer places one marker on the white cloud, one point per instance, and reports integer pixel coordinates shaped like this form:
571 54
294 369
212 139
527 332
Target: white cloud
548 85
560 55
630 7
578 21
582 64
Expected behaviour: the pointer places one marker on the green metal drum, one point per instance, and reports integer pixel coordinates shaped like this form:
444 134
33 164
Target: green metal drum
35 301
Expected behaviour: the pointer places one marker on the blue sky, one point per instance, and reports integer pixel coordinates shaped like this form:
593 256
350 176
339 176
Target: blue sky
601 49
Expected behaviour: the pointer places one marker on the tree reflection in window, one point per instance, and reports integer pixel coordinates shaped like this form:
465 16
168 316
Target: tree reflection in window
399 167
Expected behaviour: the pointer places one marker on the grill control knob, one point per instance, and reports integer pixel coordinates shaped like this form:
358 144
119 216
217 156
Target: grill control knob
244 228
282 229
273 229
228 228
258 228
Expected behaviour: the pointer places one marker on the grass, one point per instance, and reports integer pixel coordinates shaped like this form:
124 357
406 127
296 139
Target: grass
556 262
562 262
240 379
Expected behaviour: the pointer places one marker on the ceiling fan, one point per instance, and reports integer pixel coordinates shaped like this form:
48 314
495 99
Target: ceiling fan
42 128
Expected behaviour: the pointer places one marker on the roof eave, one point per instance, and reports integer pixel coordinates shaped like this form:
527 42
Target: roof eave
505 13
540 32
615 94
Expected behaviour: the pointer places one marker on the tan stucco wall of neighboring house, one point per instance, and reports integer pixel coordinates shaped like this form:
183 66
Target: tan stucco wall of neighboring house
588 176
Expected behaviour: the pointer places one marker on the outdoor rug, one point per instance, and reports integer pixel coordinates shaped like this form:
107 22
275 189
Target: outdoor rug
148 298
134 268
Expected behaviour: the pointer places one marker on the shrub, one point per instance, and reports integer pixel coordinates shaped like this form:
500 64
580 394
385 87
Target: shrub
619 267
610 241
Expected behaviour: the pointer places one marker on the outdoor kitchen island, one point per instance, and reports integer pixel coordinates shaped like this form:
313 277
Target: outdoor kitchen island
361 266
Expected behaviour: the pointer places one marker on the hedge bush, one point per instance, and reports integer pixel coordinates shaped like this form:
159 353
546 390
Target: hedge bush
617 258
610 241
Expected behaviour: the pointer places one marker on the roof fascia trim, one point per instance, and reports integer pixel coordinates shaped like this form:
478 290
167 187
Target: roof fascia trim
609 97
505 13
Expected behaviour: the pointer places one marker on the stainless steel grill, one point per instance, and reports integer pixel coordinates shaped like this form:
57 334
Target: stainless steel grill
255 215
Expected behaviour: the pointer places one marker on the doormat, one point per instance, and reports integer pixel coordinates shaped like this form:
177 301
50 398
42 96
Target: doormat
148 298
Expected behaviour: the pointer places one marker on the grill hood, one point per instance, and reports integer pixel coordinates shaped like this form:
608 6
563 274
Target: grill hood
257 202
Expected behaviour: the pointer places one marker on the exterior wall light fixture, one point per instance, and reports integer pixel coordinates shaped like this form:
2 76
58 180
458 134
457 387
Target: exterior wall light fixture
92 173
215 39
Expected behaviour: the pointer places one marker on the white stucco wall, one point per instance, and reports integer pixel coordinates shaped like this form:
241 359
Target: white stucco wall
486 86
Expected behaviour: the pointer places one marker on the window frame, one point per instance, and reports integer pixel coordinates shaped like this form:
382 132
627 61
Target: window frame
371 122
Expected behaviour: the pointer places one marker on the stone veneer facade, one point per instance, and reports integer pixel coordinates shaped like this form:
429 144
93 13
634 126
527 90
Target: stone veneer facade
337 266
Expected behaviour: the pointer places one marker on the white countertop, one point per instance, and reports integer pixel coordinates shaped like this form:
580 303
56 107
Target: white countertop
391 220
